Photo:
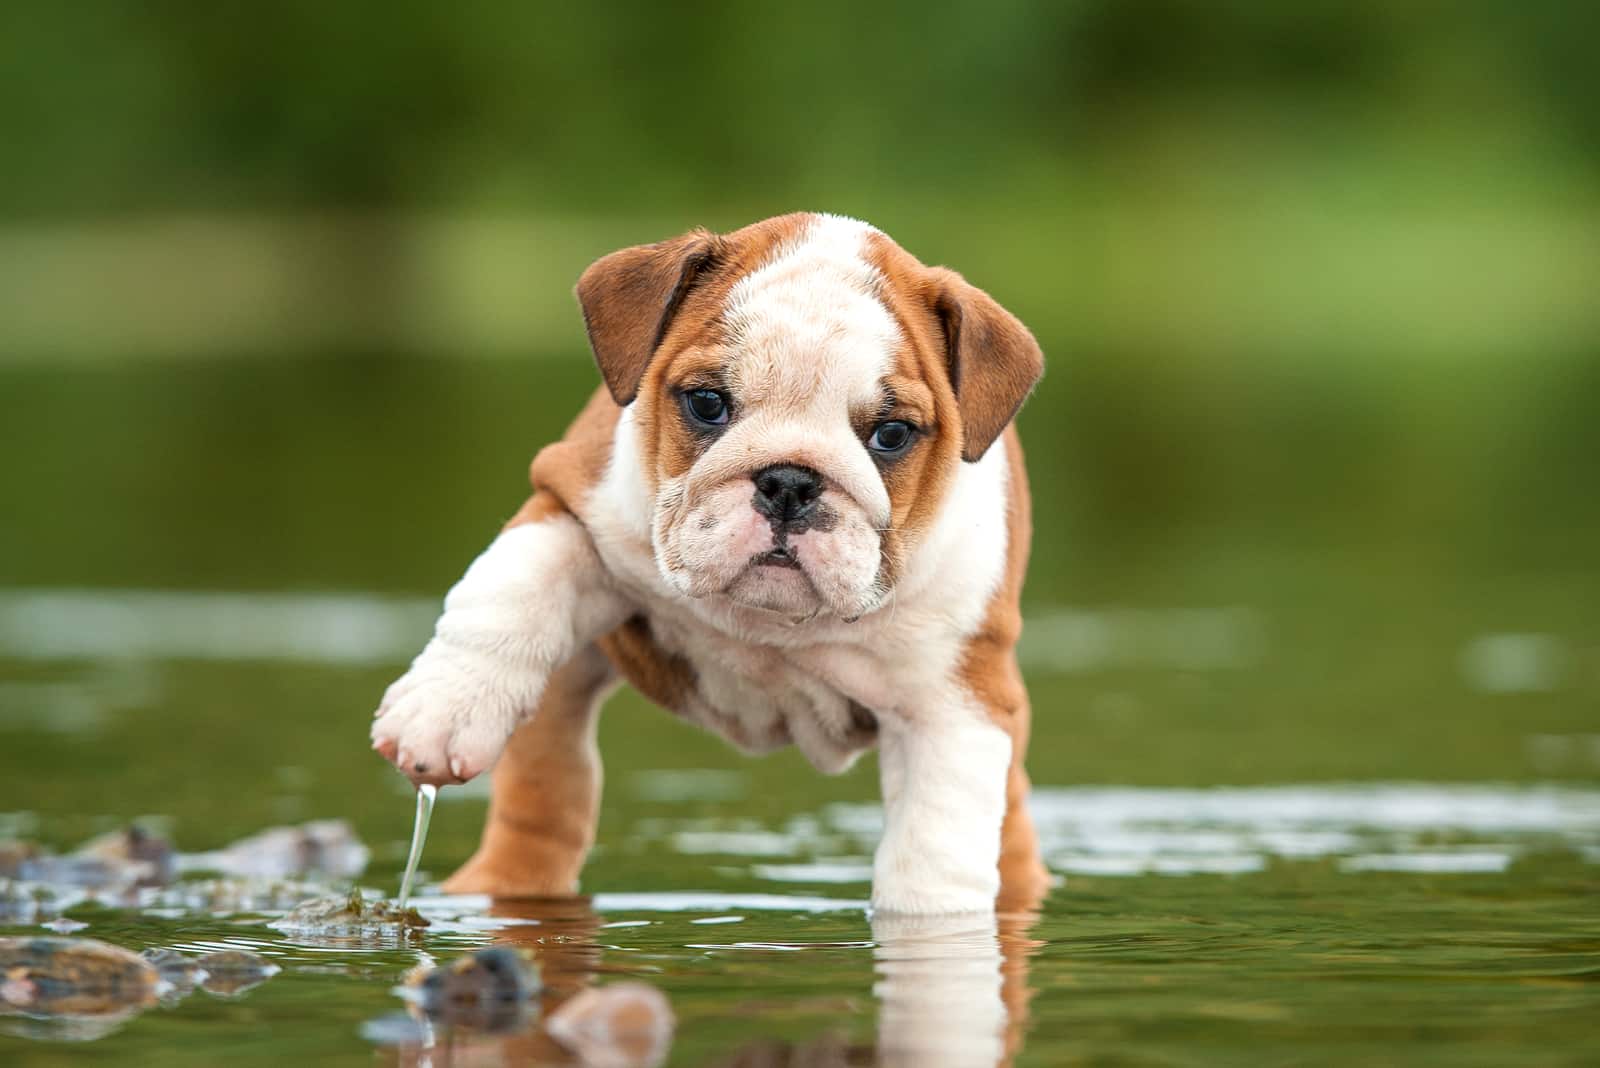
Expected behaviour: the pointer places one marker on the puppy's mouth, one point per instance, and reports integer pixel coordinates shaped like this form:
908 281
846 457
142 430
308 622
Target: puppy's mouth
775 582
777 556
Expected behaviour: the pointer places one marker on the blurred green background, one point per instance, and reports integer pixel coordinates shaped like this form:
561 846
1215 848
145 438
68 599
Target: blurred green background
285 309
285 306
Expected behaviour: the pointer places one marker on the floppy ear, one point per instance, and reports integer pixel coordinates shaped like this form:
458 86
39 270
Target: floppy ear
994 360
629 299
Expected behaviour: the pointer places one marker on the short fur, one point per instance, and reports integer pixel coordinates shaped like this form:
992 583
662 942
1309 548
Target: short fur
643 554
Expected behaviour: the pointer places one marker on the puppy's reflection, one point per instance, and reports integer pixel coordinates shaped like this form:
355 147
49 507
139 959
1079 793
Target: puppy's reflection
952 990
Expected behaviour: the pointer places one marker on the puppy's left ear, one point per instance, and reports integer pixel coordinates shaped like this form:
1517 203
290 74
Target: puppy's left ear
629 299
994 360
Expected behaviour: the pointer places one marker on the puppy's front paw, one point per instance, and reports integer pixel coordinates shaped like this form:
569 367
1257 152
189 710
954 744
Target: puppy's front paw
443 722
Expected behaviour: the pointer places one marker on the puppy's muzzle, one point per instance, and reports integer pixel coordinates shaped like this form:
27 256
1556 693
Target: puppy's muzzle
787 494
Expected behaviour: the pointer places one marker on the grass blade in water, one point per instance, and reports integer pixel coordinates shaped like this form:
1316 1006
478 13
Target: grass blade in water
419 834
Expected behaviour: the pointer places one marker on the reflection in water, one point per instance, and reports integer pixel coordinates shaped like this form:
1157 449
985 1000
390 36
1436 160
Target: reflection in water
489 991
949 991
619 1025
828 1050
939 987
561 936
953 990
82 989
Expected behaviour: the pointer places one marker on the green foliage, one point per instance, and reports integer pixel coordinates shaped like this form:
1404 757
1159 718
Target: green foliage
110 107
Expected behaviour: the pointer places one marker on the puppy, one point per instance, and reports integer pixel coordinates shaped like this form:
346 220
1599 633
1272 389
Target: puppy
796 514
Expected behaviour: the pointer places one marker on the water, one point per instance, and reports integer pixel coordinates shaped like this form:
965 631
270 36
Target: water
1207 925
1313 798
419 835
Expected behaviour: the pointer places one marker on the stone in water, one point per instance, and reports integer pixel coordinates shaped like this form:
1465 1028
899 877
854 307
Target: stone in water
73 977
624 1025
231 972
490 991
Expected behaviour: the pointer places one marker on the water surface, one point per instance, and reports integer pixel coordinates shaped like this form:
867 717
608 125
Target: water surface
1324 796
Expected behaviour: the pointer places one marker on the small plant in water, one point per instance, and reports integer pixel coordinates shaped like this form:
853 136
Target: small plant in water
351 914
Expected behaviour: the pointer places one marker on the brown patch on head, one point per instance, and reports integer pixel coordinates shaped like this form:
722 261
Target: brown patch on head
919 387
919 480
655 313
994 361
986 357
670 442
629 298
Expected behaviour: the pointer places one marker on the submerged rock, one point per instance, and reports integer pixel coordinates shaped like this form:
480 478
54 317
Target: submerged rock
179 973
490 991
133 855
16 903
351 915
77 977
76 872
231 895
396 1029
328 848
231 972
22 902
624 1025
117 861
226 972
124 866
13 855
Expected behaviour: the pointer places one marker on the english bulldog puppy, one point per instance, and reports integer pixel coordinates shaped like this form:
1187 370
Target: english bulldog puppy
796 514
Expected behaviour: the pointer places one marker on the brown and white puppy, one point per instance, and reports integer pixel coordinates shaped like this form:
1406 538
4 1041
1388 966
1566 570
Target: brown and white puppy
796 514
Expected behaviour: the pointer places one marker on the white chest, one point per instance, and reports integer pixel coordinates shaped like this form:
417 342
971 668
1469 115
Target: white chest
762 697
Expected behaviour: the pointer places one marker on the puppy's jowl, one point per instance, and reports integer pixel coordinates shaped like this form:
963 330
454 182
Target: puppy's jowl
795 514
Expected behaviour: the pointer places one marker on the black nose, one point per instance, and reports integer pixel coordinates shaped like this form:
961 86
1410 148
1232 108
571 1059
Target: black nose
785 492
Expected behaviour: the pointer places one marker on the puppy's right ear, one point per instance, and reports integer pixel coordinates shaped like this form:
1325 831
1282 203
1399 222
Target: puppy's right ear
629 299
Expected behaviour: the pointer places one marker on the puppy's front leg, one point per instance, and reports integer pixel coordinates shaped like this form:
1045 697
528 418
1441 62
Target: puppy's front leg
944 797
535 596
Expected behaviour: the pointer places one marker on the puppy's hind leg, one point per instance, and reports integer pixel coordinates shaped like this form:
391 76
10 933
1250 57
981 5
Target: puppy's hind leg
546 791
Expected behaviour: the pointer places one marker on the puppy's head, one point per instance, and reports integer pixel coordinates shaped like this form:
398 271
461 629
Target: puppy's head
802 393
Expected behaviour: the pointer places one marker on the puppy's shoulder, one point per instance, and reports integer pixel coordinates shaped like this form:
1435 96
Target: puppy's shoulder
565 472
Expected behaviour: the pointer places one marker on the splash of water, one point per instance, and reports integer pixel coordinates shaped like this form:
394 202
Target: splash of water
419 833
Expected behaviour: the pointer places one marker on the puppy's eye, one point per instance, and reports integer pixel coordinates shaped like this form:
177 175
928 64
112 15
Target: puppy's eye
706 406
891 437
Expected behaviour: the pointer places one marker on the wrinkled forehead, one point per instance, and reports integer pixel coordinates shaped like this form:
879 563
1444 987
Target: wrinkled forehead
810 323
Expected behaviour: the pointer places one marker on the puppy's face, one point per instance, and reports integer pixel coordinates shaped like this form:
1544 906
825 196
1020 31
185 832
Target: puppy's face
795 399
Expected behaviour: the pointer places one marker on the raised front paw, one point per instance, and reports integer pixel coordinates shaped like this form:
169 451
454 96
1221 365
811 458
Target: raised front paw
445 722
